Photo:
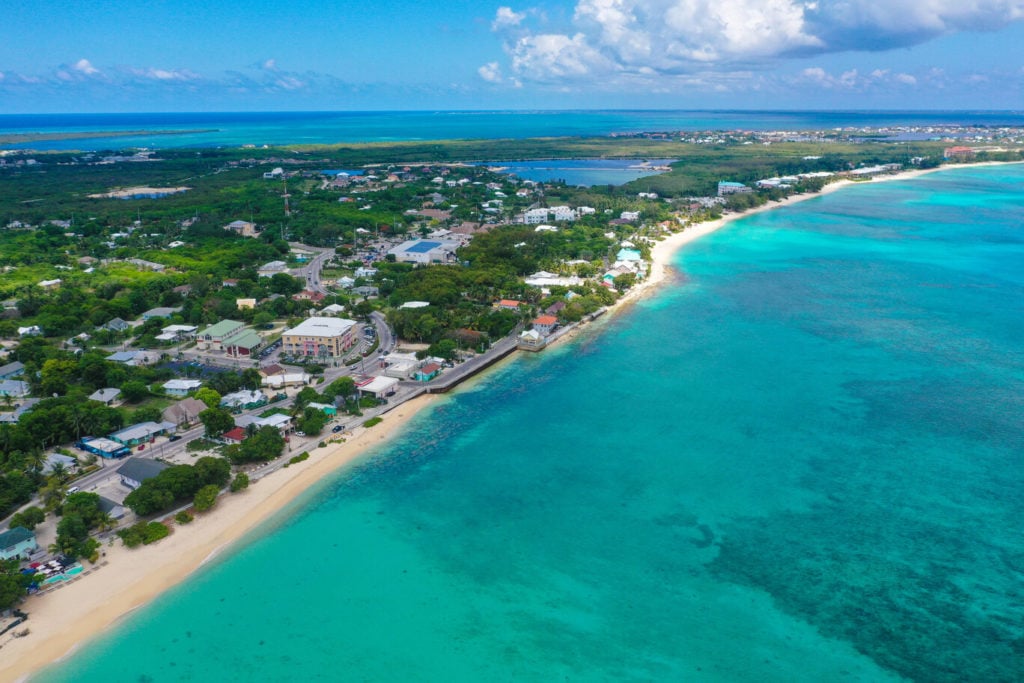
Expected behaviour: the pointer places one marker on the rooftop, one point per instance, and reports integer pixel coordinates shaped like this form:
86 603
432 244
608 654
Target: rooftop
322 327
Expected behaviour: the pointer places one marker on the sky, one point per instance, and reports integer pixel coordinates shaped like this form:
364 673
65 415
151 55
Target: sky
295 55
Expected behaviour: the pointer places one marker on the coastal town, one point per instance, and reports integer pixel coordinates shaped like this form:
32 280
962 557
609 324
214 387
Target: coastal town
165 347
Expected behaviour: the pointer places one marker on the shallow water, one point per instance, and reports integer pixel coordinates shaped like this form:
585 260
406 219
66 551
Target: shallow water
802 460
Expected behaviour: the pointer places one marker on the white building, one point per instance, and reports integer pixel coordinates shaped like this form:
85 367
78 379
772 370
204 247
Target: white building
424 251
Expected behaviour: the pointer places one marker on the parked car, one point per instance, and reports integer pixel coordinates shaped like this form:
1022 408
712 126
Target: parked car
337 428
173 437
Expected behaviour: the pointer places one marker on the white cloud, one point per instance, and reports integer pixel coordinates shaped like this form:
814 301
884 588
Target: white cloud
505 18
270 65
905 79
670 37
166 74
84 66
490 72
289 83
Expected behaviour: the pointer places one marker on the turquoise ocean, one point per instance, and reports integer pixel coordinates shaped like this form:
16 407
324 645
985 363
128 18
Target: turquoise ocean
801 460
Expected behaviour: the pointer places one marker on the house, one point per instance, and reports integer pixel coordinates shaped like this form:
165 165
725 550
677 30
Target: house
545 324
177 333
11 370
380 387
243 228
14 388
233 436
427 372
346 282
124 357
628 255
244 400
320 337
508 304
183 290
324 408
30 331
531 340
271 370
113 509
333 310
17 543
212 338
105 396
958 152
138 470
629 216
20 408
50 284
365 272
185 411
555 308
181 387
282 423
105 448
272 268
116 325
242 304
141 433
160 312
309 295
55 460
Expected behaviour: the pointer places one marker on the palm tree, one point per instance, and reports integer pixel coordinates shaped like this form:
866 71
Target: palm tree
35 460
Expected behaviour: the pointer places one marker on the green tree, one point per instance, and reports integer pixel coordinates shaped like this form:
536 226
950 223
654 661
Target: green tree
28 518
240 482
216 421
211 470
266 444
209 396
134 390
206 497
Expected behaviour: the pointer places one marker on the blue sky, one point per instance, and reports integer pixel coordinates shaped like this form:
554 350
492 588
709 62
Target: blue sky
259 55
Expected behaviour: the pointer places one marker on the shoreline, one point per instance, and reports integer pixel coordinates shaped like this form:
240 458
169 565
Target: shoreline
63 621
133 578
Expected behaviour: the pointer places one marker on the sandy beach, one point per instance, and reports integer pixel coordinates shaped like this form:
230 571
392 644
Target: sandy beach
66 618
63 620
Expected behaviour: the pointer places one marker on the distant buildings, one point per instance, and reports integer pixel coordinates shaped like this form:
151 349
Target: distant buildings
959 153
272 268
138 470
726 187
243 228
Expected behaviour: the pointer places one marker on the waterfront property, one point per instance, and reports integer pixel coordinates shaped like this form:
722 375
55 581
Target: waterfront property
320 337
427 372
324 408
545 324
138 470
18 542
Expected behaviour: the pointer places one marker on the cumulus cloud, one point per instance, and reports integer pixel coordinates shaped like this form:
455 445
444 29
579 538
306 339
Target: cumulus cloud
84 66
506 17
673 37
490 72
166 74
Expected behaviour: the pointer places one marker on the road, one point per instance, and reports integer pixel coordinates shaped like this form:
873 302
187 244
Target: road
311 271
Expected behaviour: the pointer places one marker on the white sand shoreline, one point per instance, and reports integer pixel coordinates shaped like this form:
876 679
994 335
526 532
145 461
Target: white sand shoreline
65 620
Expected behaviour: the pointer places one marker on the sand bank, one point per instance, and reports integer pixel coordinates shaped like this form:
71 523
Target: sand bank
62 620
